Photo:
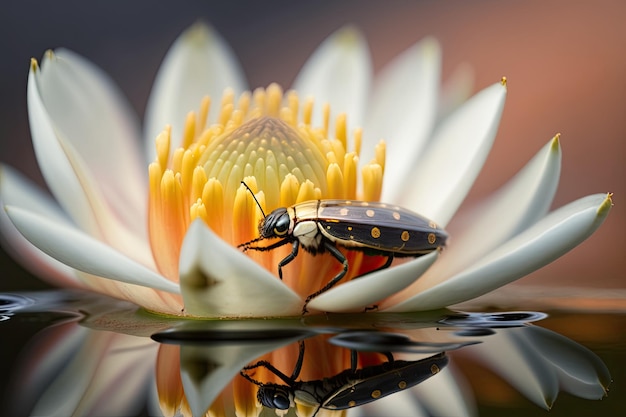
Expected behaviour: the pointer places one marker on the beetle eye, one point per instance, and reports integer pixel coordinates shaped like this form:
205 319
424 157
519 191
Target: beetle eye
274 396
281 401
282 225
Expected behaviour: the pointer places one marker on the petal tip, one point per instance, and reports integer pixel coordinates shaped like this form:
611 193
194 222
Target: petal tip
606 205
348 36
554 147
431 45
34 65
198 33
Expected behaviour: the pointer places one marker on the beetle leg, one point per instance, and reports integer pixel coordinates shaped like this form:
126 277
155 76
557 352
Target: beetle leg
298 367
265 364
269 367
288 258
354 358
339 256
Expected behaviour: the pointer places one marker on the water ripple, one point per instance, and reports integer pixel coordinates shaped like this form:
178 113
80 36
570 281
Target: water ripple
10 303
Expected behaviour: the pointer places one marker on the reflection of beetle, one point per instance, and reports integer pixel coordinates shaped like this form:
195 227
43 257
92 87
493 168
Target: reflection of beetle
371 227
347 389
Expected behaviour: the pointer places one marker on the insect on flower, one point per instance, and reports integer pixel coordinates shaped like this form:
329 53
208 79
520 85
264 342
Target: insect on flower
371 227
349 388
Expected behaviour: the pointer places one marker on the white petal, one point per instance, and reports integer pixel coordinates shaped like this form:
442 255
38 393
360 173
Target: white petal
104 365
580 371
355 295
512 357
516 206
87 109
339 73
446 394
198 64
82 252
53 161
402 111
447 169
218 280
17 190
548 239
75 185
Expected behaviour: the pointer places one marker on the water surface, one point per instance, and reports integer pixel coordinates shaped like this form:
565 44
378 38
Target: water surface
74 353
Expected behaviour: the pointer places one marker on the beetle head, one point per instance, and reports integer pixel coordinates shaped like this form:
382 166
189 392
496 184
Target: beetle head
276 224
275 396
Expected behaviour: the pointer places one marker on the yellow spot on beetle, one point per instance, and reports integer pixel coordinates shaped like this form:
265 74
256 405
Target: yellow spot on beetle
431 238
402 384
405 236
434 369
396 215
376 393
375 232
343 211
351 403
350 228
369 213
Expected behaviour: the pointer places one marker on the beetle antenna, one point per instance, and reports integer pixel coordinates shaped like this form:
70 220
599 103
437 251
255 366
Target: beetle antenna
249 378
247 244
253 196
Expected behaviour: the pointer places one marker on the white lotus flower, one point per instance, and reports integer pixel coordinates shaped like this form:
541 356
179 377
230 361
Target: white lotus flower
159 225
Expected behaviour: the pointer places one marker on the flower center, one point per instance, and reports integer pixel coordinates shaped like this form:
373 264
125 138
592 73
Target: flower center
266 140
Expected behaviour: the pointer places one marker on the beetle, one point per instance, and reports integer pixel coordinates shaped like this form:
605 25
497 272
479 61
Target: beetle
371 227
349 388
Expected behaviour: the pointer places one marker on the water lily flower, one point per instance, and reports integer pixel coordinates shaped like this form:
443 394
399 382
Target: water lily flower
157 221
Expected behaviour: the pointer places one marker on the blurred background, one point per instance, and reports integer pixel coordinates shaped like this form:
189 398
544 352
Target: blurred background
565 62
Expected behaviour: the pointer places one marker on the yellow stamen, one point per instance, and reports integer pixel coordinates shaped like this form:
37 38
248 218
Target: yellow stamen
307 113
307 192
198 211
372 182
265 139
189 134
341 129
334 179
245 211
350 162
358 139
163 146
274 99
213 197
381 151
203 114
326 118
289 190
198 183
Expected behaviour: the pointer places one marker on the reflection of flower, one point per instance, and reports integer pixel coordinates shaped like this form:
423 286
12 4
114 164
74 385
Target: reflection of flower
535 361
75 370
288 150
79 372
